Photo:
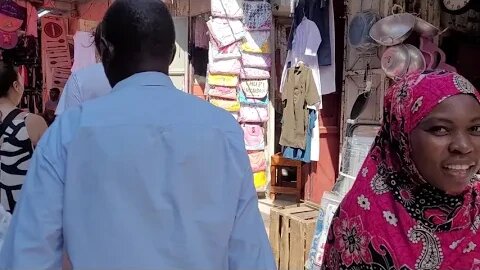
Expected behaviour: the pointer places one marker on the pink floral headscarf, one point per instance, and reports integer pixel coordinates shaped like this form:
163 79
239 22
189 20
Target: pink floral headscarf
392 219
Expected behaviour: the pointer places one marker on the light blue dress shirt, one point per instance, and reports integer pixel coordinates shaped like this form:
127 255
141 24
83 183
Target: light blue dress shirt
84 84
147 177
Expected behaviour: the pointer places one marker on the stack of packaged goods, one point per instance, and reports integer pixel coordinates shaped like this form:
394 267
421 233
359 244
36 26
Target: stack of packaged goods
224 61
239 71
254 83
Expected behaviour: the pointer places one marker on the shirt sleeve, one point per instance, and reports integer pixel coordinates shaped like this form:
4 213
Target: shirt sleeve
249 247
5 218
70 96
312 96
34 239
314 39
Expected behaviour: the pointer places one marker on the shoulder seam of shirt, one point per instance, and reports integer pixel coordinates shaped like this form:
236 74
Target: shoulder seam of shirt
40 151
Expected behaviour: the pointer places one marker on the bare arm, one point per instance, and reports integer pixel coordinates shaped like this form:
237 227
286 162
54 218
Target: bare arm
36 126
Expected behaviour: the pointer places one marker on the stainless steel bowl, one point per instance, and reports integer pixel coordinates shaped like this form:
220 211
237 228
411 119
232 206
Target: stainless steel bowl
417 60
393 30
396 61
425 28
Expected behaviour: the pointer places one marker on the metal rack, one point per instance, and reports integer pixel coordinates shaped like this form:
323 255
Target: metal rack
357 144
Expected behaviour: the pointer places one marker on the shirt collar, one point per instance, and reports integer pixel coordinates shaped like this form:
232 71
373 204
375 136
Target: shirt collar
149 78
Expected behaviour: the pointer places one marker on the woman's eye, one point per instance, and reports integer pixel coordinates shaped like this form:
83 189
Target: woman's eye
439 131
476 130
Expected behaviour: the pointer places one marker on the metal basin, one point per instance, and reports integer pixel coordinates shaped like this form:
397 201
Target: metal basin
425 28
417 61
396 61
393 30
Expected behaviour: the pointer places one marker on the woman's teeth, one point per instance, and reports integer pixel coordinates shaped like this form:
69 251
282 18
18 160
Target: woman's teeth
458 167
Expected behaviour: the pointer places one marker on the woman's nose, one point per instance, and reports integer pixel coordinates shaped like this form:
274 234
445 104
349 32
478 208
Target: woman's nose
461 144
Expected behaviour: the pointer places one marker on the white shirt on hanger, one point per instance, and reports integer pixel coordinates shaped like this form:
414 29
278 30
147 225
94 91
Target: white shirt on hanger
305 45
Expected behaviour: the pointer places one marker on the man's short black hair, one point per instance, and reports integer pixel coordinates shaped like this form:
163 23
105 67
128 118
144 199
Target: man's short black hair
142 28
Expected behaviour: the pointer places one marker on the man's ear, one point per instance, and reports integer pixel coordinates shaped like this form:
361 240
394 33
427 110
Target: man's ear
174 52
107 50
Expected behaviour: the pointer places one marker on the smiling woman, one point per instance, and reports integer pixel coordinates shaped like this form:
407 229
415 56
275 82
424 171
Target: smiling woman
446 144
418 181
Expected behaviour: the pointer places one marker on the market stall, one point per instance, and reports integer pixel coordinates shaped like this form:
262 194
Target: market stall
387 40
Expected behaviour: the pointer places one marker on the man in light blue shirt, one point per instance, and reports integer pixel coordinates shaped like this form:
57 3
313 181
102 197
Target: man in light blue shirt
84 84
147 177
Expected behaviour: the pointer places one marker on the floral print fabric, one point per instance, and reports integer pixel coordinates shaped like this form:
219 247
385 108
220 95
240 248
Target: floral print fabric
392 219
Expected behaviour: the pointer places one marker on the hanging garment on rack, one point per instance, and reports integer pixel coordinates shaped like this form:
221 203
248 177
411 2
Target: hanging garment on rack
300 154
84 50
201 33
315 142
327 72
299 92
318 12
200 61
31 28
305 43
23 72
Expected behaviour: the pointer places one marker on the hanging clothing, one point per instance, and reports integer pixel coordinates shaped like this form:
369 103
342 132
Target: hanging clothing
84 50
327 72
15 153
31 28
133 159
300 154
315 141
299 92
201 33
392 218
200 61
318 12
305 43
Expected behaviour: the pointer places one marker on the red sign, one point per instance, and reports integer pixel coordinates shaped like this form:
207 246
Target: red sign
53 30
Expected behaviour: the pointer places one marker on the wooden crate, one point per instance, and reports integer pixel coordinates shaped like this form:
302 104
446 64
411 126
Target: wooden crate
291 235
